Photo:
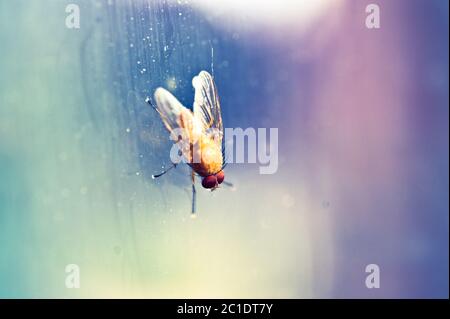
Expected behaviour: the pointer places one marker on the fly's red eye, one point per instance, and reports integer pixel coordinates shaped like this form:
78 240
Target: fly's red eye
220 177
209 181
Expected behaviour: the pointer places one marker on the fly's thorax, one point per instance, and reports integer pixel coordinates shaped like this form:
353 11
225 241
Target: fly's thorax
207 157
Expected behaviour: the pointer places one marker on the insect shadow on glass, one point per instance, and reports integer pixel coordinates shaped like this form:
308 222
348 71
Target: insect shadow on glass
198 133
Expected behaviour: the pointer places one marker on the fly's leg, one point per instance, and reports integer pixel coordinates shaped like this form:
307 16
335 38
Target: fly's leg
194 192
228 184
164 172
150 102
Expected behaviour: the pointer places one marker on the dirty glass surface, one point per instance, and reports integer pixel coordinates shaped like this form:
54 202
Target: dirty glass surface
362 118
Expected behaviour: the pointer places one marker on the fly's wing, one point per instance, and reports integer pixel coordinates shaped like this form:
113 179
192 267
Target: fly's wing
169 108
175 116
207 105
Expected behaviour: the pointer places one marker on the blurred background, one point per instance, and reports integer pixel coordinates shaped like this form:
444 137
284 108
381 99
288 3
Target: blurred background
363 177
